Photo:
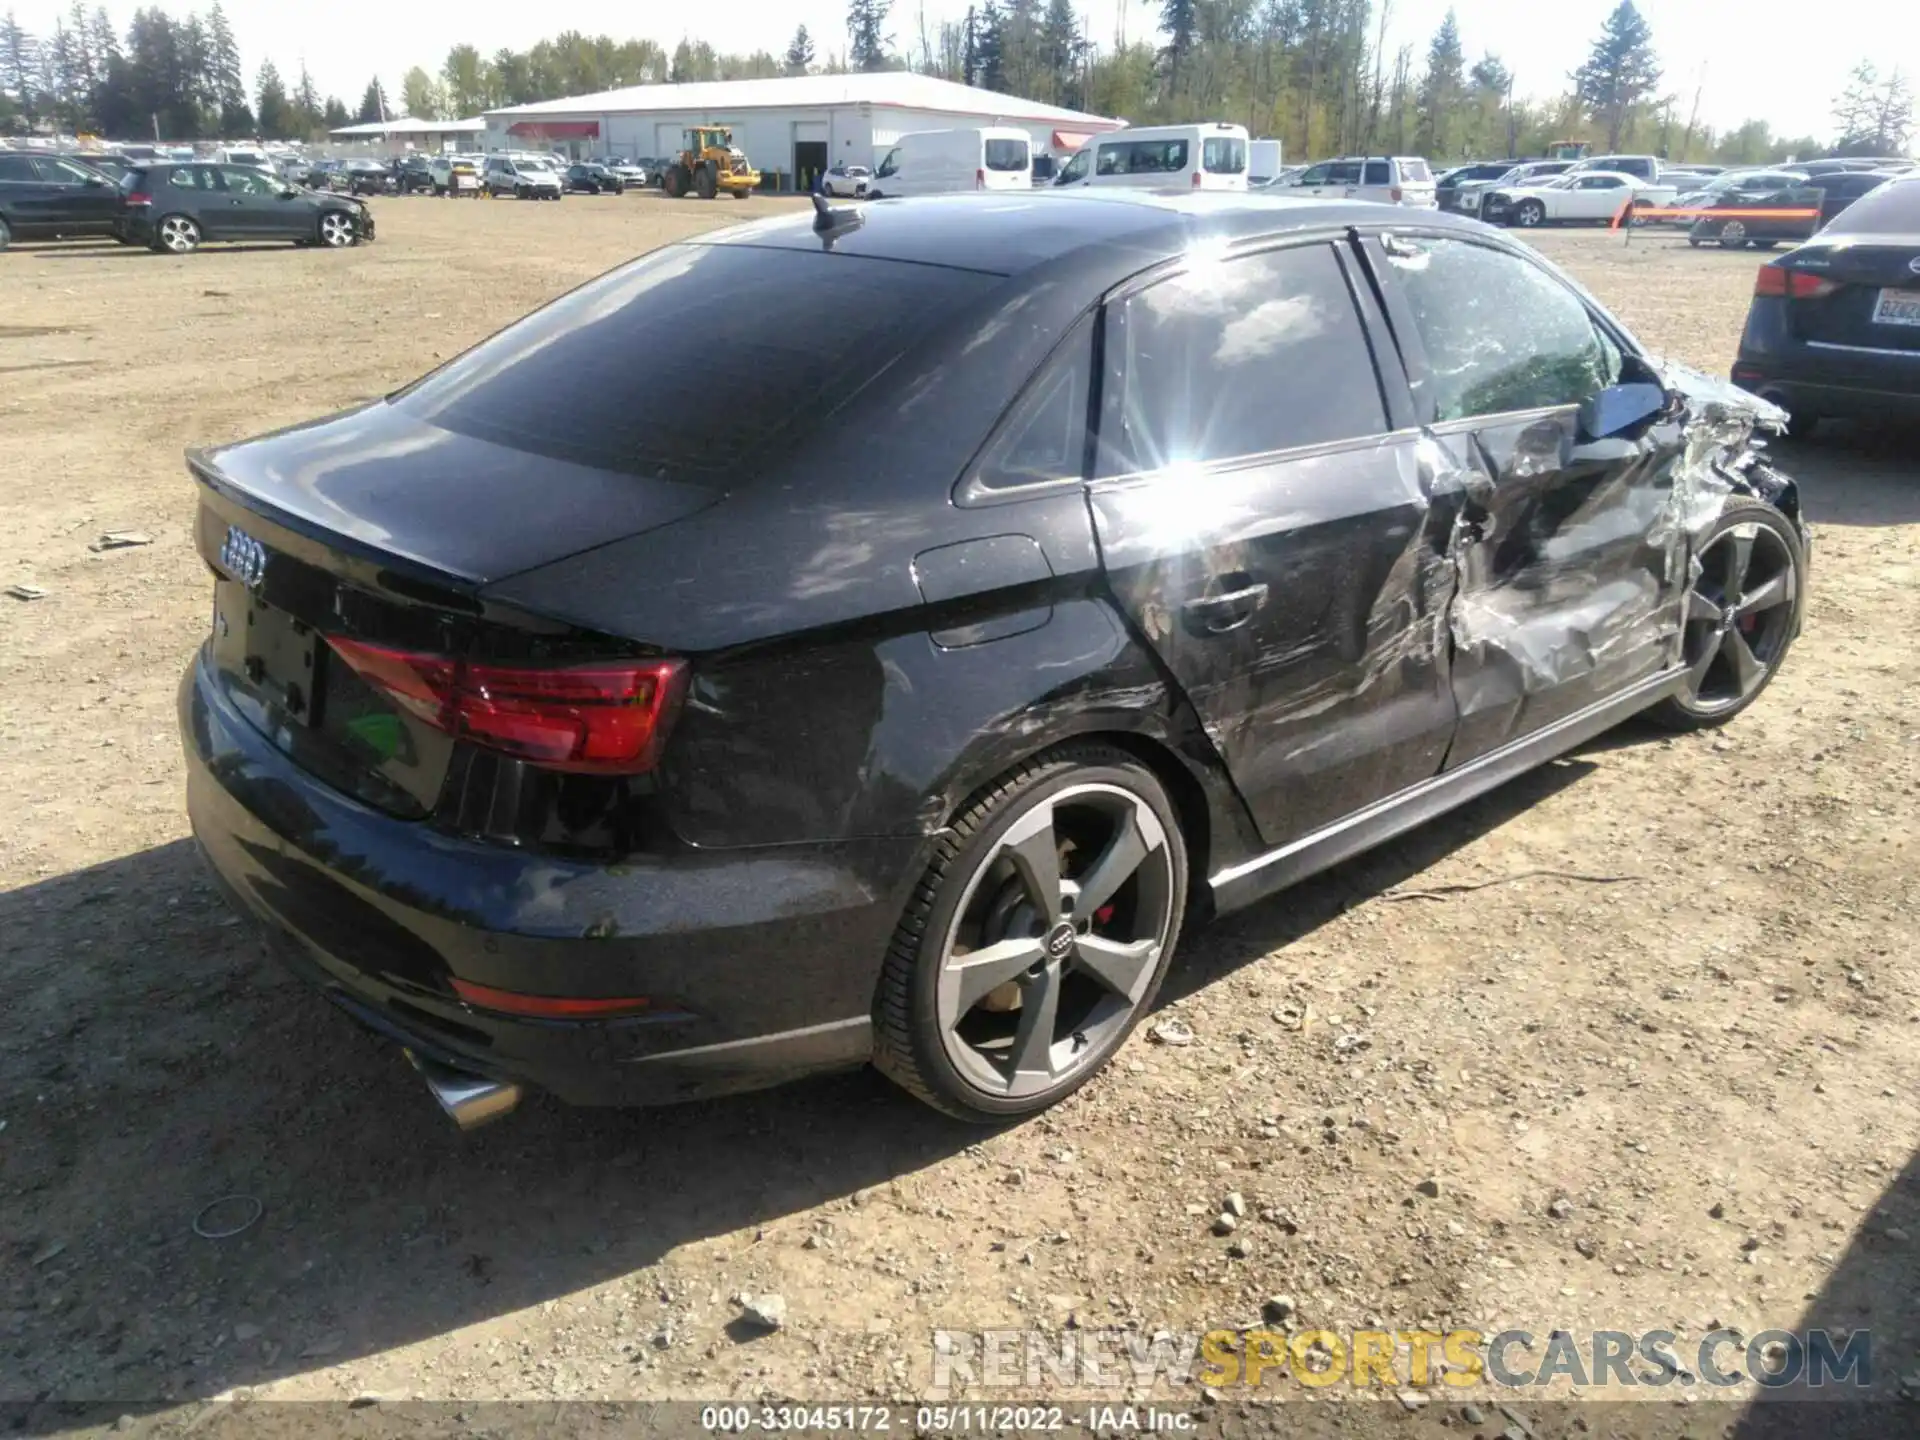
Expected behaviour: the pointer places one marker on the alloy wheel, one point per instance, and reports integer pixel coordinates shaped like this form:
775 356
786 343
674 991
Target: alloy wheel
1733 234
1739 617
179 234
1056 940
336 229
1530 214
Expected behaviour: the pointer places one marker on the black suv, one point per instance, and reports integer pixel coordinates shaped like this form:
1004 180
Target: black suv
51 197
592 179
411 175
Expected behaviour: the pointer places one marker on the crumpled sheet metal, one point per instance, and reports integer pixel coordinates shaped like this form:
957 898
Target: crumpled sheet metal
1565 609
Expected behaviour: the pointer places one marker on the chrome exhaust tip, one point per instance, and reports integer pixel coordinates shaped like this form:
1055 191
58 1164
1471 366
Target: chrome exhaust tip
469 1100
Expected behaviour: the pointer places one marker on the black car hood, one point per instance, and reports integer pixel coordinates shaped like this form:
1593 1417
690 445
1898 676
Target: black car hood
384 482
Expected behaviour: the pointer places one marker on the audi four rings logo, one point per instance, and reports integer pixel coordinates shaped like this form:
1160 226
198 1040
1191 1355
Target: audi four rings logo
244 557
1914 265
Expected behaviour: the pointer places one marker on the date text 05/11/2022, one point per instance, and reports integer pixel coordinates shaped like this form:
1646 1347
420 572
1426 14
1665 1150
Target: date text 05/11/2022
983 1419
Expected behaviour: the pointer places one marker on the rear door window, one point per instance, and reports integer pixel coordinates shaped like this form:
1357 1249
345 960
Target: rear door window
1224 155
1242 357
1500 333
1008 155
640 371
18 169
1044 437
1378 172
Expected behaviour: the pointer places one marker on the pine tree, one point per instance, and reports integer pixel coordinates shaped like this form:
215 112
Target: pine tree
306 106
1180 23
373 104
1440 90
1621 70
229 88
275 114
989 48
1062 51
867 40
800 53
19 65
334 115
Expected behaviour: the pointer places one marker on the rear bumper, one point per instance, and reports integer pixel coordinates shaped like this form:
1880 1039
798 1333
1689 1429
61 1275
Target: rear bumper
760 965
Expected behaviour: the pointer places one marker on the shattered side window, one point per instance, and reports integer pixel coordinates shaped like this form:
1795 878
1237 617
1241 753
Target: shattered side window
1244 356
1500 334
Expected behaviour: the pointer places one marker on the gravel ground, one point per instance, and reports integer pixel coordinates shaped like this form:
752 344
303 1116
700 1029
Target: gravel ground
1682 1100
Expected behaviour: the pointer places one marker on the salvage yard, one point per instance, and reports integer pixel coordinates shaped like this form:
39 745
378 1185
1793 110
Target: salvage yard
1631 1043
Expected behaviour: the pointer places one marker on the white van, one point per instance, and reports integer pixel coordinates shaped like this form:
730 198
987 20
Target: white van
249 157
1163 157
938 162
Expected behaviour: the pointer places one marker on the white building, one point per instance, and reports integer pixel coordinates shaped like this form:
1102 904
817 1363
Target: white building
399 136
794 126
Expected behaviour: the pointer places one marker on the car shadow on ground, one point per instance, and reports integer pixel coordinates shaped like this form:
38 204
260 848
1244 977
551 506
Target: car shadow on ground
1872 1288
1856 474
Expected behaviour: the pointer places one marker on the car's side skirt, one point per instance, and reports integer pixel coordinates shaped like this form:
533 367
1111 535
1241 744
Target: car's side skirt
1276 869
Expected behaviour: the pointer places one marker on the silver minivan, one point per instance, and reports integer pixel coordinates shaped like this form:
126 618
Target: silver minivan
1388 179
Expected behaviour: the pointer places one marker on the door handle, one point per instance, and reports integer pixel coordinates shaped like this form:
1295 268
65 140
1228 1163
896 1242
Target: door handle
1217 614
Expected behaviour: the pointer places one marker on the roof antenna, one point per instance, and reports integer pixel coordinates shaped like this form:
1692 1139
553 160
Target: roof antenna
830 224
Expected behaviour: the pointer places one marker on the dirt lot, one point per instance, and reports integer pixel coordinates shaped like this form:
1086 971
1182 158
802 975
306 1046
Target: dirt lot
1685 1099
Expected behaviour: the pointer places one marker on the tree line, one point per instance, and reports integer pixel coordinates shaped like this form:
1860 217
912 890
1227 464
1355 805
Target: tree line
1320 75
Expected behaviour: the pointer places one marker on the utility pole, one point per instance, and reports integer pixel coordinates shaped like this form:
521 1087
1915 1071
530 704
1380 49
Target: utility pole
1693 116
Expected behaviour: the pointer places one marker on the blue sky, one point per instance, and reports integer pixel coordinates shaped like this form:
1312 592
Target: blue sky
1750 58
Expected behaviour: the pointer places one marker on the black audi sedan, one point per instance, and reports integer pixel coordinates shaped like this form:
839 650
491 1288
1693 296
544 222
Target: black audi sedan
1019 581
593 179
1833 328
174 208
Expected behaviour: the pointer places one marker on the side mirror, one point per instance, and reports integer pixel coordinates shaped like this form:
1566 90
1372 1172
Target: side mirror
1619 409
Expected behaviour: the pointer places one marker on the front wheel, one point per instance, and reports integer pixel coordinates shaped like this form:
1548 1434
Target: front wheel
177 235
1529 213
1037 938
1733 235
1741 614
336 230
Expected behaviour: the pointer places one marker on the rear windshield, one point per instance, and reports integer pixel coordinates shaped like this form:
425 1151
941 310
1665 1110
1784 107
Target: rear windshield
1893 209
1008 154
1224 155
1416 171
696 361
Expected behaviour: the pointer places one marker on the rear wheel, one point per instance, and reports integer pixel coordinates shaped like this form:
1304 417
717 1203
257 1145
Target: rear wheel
6 235
1036 939
673 180
176 235
704 184
1740 617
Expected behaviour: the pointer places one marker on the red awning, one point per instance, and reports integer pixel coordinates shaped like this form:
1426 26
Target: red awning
1069 139
556 129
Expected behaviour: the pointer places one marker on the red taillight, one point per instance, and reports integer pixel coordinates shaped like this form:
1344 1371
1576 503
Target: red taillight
1196 179
609 718
979 179
1394 194
139 197
551 1007
1777 280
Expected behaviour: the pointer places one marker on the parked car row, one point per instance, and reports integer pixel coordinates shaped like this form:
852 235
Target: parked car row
169 205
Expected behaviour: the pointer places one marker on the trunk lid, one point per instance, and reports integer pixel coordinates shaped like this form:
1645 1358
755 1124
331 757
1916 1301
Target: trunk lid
1875 304
382 528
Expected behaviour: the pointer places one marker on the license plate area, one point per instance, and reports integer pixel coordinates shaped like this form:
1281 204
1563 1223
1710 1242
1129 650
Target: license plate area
1897 307
271 654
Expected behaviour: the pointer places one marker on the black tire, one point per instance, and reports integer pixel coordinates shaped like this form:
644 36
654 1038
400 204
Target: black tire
6 235
673 180
909 1045
1529 214
704 183
1733 235
1732 658
176 235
